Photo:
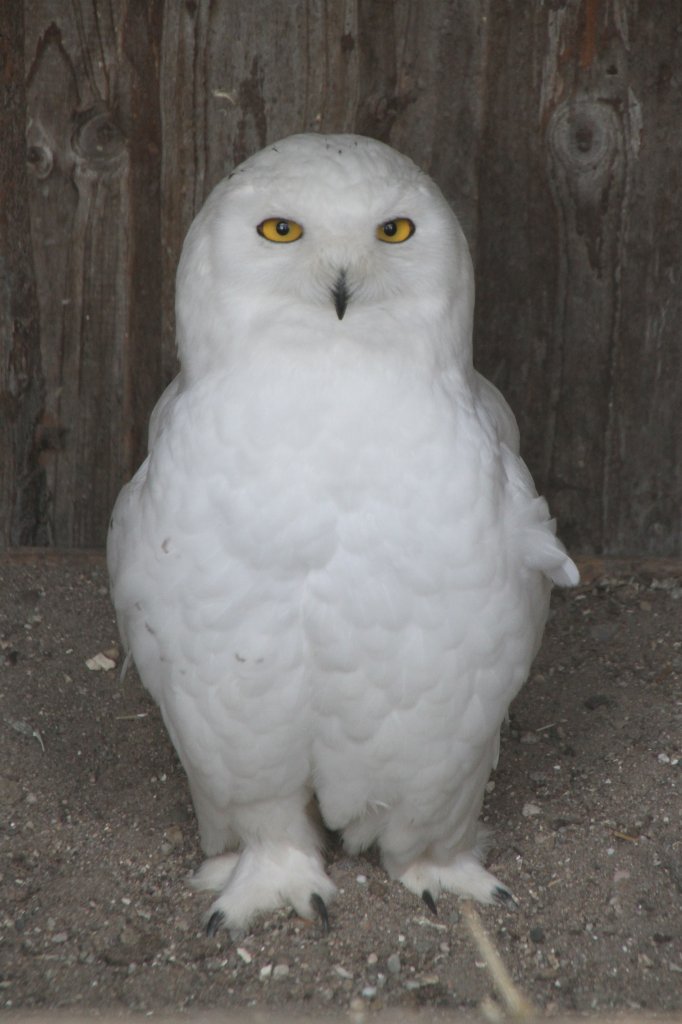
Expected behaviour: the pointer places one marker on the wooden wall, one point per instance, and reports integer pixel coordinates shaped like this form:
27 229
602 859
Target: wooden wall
555 128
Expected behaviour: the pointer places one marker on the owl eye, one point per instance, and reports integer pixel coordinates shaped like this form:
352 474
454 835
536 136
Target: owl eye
278 229
397 230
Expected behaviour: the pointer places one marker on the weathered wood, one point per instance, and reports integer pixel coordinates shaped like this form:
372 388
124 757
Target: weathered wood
22 485
578 311
94 151
553 128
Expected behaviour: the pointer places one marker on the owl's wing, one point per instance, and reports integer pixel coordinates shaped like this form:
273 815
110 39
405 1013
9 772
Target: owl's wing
160 411
532 526
123 552
125 556
121 538
530 521
498 412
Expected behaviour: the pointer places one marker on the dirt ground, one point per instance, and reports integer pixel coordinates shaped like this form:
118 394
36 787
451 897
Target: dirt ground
97 833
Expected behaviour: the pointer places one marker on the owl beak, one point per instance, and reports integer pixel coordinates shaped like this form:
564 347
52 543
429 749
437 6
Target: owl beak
340 294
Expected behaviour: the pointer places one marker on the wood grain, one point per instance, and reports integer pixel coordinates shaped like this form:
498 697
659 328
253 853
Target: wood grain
92 120
578 310
22 484
552 128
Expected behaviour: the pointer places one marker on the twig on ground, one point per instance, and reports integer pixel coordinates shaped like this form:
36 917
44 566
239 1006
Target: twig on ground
517 1005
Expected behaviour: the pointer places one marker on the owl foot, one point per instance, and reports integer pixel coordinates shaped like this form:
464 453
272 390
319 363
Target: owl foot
463 875
215 872
263 878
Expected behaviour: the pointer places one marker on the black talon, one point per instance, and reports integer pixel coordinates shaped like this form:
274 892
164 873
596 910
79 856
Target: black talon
320 908
215 923
504 897
430 902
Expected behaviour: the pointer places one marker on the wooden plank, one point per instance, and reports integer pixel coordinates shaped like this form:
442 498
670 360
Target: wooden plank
577 309
421 84
643 472
22 484
139 110
91 91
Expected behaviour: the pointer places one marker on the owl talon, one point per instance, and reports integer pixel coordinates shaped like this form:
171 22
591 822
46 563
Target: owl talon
320 908
215 923
504 897
430 902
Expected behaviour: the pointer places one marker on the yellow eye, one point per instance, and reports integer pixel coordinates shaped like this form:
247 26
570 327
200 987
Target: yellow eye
397 230
279 229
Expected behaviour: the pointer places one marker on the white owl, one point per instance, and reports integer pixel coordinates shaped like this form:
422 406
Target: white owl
333 569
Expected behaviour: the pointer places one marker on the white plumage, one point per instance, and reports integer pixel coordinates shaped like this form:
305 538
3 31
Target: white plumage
332 570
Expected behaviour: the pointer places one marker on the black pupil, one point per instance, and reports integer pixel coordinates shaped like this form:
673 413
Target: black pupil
390 228
282 228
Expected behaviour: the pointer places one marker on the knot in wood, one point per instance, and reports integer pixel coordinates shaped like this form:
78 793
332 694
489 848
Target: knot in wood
97 138
40 159
583 135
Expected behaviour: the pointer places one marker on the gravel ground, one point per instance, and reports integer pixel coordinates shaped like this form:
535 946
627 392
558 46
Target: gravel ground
97 832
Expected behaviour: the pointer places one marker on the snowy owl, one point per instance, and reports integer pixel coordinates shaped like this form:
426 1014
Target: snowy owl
333 569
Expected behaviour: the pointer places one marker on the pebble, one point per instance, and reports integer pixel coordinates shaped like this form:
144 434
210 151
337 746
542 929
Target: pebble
530 810
280 971
100 663
393 964
342 972
265 972
372 959
537 934
369 991
244 954
60 937
214 964
361 879
173 835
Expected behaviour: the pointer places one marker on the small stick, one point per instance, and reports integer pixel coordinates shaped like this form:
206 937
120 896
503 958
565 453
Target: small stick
516 1003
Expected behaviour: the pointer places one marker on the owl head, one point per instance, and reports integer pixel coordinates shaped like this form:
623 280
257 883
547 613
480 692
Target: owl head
321 241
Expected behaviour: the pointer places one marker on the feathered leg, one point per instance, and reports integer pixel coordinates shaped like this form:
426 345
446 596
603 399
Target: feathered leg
279 864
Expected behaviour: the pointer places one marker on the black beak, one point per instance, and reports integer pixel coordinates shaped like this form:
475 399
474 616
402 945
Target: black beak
340 294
